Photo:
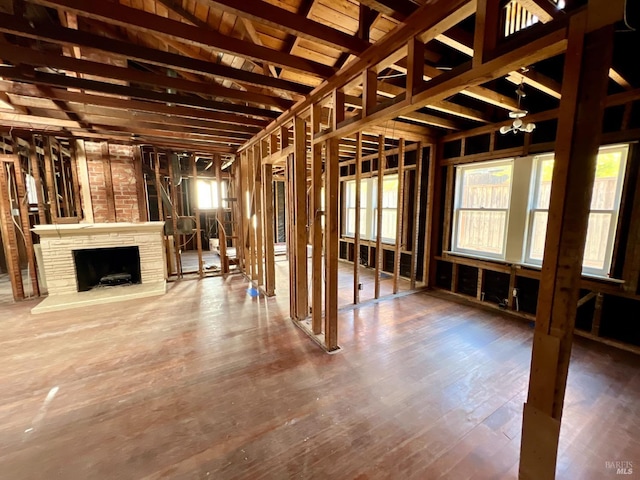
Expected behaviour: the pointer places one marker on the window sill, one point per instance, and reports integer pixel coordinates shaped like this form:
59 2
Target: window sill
529 266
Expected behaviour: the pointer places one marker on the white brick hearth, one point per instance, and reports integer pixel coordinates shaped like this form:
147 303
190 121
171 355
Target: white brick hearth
58 242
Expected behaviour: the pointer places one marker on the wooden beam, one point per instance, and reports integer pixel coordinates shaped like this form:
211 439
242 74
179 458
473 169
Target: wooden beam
399 214
143 214
27 56
52 190
331 244
269 239
282 19
584 87
356 235
8 232
488 18
108 183
417 215
138 20
62 81
66 36
543 9
174 215
382 165
429 19
300 217
257 195
35 172
75 180
432 226
317 214
196 211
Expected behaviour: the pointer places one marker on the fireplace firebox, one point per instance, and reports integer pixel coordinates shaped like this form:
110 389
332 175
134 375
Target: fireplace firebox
106 267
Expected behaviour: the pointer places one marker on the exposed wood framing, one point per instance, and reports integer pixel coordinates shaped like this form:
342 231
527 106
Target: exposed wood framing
269 239
578 138
196 212
316 229
417 201
382 164
299 218
356 235
331 253
399 217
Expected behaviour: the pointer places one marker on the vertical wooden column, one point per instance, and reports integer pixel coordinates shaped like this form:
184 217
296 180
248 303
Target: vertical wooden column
415 63
108 181
253 272
268 222
291 243
35 172
331 244
317 215
382 164
174 215
156 165
220 220
8 232
141 185
83 179
631 267
417 200
432 225
488 21
257 171
75 179
300 216
356 235
399 215
26 226
196 211
50 178
448 208
584 87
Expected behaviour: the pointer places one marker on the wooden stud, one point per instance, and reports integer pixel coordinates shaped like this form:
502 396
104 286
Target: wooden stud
631 267
448 209
156 165
35 172
141 185
291 237
8 231
196 211
417 201
597 315
108 180
369 91
75 181
356 236
26 225
269 239
300 217
415 62
174 215
488 18
399 217
331 244
317 214
480 284
584 87
50 180
257 166
432 226
382 165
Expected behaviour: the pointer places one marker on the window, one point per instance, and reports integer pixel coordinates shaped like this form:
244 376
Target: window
603 217
501 209
483 194
369 208
208 194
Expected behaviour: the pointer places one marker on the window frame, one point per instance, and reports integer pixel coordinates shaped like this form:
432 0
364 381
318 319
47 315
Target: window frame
458 191
614 213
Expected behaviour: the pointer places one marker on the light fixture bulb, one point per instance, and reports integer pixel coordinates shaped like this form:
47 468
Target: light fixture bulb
530 127
517 123
504 129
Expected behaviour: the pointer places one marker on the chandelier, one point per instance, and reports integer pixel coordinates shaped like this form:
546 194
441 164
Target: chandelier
518 124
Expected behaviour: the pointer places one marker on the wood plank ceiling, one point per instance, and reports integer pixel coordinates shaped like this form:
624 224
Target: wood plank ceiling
207 75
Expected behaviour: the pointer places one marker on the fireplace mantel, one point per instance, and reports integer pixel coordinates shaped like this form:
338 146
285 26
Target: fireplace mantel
76 229
58 242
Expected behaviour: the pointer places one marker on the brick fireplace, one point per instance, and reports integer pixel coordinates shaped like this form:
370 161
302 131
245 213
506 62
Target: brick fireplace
62 247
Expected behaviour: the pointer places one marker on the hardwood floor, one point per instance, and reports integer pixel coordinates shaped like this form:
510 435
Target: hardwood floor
209 382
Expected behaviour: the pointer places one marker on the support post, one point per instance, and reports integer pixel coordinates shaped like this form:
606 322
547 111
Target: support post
269 240
8 232
417 199
331 245
382 164
317 214
300 216
143 214
356 235
75 180
174 217
108 181
196 211
399 215
51 184
257 171
584 87
35 172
